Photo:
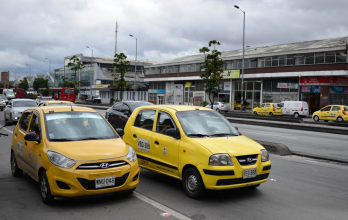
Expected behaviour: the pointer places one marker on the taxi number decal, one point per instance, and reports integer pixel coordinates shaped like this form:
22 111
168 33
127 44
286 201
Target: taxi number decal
333 114
266 110
19 149
143 145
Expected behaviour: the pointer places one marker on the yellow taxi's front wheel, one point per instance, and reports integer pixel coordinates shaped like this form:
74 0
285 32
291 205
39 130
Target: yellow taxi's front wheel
193 183
46 195
255 113
316 118
16 172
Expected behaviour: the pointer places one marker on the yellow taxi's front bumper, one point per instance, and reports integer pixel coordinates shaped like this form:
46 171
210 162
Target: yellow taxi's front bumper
76 182
229 177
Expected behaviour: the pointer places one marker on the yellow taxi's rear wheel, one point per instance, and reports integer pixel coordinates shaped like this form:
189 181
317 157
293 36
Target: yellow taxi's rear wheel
46 195
271 114
14 168
339 119
316 118
255 113
193 183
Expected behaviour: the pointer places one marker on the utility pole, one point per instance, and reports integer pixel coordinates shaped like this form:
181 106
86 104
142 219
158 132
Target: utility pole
115 50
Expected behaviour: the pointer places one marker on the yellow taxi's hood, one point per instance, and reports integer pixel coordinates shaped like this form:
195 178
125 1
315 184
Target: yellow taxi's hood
91 149
234 145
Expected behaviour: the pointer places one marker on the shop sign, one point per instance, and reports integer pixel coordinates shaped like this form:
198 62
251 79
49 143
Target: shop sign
310 89
339 89
188 84
324 81
101 86
287 85
160 91
229 74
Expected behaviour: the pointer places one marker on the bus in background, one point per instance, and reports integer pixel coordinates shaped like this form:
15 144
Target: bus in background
63 93
19 92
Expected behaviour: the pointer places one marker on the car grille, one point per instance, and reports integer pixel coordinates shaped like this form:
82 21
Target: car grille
90 184
247 160
102 165
241 180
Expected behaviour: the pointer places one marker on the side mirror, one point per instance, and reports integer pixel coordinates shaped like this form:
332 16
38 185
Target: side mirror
31 137
236 128
120 131
172 132
8 123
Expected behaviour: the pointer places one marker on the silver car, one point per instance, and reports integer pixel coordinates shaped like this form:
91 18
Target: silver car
43 98
15 107
219 106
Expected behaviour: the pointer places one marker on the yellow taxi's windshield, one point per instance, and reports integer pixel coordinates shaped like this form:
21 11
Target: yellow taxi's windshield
200 123
76 126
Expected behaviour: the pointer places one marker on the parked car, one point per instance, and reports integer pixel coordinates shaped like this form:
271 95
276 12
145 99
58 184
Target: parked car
331 112
55 103
295 108
15 107
2 106
43 98
3 99
268 109
219 106
94 99
72 153
9 93
196 145
119 113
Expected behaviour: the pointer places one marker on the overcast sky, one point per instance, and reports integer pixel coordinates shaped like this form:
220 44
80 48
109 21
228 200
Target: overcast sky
32 30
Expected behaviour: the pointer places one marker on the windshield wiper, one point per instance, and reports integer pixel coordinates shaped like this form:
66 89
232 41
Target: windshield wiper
90 138
61 139
198 135
224 134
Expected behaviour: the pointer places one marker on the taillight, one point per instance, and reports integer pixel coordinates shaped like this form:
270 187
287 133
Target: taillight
343 112
222 105
301 108
274 109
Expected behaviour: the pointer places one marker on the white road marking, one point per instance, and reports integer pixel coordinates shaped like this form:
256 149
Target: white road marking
160 206
268 134
8 130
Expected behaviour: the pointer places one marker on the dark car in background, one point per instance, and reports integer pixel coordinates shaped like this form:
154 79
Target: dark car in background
119 113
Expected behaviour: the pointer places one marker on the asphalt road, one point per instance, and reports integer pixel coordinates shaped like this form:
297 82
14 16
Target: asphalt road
298 188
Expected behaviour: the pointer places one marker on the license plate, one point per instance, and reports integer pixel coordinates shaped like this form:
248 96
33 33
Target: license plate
104 181
249 173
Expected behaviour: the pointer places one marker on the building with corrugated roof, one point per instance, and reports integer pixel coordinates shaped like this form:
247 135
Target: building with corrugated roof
313 71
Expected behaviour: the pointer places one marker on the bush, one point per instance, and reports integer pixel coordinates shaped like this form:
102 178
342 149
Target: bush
205 103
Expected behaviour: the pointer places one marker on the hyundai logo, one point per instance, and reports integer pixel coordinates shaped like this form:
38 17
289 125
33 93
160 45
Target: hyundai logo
249 160
104 165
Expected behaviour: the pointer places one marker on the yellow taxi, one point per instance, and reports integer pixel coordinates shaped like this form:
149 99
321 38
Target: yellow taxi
55 103
331 112
72 151
195 145
237 105
268 109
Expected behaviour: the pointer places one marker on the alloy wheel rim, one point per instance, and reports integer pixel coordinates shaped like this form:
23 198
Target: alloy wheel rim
43 187
192 183
339 119
316 118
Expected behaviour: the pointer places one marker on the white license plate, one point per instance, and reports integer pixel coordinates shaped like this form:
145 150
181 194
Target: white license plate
249 173
104 181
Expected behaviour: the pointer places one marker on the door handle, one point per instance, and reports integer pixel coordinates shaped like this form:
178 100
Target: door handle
16 134
156 142
25 143
134 135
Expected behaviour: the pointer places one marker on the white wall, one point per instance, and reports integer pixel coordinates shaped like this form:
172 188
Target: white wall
127 96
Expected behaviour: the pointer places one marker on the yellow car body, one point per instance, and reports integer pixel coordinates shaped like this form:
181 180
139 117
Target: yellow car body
332 113
96 160
174 156
268 109
54 103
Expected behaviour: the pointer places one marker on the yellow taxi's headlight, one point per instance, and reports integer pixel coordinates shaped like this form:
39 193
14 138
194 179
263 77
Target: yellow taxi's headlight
220 160
60 160
264 155
131 156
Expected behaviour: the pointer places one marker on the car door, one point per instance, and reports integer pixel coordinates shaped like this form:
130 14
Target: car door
125 113
215 105
114 115
140 137
334 112
324 112
22 150
260 110
165 153
266 108
7 111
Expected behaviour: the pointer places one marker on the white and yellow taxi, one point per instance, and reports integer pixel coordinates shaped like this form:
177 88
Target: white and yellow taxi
268 109
331 112
71 152
195 145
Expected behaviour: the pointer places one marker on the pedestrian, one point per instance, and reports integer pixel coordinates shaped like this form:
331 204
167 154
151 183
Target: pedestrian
245 103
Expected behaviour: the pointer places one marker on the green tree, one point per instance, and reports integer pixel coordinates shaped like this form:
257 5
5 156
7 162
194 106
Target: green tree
42 83
119 63
75 65
24 84
213 71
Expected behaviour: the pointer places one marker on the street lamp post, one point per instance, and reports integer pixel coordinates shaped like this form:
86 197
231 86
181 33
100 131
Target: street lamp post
15 76
93 69
242 97
136 53
49 68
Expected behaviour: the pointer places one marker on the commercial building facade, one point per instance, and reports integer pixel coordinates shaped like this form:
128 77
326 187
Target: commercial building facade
313 71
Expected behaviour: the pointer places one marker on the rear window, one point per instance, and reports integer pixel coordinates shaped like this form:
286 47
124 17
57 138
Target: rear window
136 105
276 106
345 108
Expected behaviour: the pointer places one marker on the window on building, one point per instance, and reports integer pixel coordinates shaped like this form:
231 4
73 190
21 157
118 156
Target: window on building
309 58
341 57
319 58
152 96
275 61
268 61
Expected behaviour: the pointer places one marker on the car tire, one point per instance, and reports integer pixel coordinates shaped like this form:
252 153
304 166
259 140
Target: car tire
16 172
193 184
218 110
316 118
45 190
226 111
296 115
271 114
252 187
130 192
255 113
2 109
339 119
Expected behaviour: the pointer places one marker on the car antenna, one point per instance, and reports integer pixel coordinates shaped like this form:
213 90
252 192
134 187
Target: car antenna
71 108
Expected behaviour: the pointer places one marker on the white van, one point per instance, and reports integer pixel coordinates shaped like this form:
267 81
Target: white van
295 108
9 93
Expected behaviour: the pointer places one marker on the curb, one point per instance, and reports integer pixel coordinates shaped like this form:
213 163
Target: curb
314 156
275 148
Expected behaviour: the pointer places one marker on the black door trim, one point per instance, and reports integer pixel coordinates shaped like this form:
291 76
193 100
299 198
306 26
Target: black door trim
157 162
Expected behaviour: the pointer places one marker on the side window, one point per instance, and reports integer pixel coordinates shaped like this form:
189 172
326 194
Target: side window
125 108
326 109
262 105
35 125
335 108
24 121
145 119
268 105
117 106
215 103
164 122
